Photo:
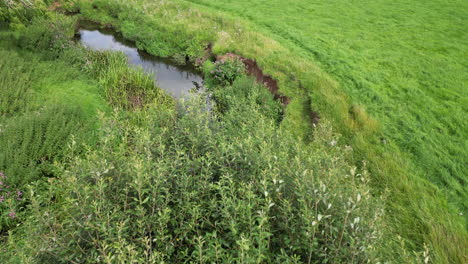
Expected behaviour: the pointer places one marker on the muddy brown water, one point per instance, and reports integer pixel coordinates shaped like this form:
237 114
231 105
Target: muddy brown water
177 80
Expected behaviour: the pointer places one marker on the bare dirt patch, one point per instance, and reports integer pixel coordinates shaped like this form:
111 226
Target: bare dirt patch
55 6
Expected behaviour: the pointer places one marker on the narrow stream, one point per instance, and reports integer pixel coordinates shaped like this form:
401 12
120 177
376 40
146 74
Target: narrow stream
177 80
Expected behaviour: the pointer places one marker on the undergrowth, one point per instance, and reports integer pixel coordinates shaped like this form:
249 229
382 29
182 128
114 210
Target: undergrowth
34 127
184 187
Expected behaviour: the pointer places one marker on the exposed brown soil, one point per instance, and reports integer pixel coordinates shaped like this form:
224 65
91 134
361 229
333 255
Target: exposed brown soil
136 101
55 6
254 70
315 117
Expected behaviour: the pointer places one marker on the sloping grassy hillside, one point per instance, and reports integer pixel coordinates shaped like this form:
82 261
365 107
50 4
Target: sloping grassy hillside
403 61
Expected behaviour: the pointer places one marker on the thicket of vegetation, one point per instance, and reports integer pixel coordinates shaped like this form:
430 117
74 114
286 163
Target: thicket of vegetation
152 181
167 185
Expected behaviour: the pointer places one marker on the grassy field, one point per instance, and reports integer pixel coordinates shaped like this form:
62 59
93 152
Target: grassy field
404 62
390 77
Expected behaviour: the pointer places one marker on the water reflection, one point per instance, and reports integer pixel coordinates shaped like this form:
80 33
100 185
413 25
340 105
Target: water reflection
176 80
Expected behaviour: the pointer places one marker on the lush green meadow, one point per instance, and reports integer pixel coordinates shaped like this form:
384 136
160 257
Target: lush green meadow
403 61
388 79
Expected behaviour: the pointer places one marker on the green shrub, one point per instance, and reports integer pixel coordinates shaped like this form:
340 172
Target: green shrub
32 142
225 72
186 188
243 91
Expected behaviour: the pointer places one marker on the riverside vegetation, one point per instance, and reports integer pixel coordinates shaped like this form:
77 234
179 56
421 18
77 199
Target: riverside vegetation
100 165
164 183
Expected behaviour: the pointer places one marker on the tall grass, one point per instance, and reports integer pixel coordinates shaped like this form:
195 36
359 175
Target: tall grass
34 127
32 134
124 86
41 107
14 85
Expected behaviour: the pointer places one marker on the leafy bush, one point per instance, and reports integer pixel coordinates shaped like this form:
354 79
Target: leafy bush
245 90
239 89
184 188
226 71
